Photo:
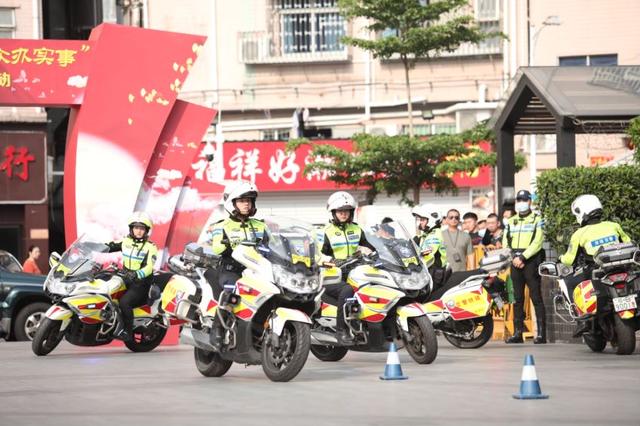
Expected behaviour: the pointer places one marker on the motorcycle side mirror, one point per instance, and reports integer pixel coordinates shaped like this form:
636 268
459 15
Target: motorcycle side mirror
636 257
54 259
548 269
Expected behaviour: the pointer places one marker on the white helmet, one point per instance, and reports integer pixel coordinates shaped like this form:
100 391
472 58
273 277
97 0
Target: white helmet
140 219
239 189
586 207
341 200
428 212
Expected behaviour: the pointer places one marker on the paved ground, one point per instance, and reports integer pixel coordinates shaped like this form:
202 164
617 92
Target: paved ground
75 386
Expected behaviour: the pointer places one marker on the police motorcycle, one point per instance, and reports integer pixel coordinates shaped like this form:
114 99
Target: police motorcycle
85 286
263 318
607 302
387 286
462 309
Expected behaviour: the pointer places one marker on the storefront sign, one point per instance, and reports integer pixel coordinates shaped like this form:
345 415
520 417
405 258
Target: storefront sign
23 162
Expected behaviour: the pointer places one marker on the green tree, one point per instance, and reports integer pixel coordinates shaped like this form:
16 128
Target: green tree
421 32
399 164
634 132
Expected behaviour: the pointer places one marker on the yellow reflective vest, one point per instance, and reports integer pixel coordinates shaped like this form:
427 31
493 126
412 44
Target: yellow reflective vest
137 256
344 241
524 234
433 240
235 232
590 238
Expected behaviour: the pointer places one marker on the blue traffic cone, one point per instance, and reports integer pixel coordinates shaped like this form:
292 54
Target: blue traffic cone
393 371
529 385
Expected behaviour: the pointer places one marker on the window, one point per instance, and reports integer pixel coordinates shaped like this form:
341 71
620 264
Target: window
7 22
310 26
275 135
591 60
431 129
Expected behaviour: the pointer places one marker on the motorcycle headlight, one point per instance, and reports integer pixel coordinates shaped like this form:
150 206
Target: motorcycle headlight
295 282
56 286
413 281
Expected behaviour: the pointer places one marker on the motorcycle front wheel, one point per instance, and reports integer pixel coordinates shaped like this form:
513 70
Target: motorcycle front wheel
47 337
211 364
329 353
146 339
477 340
595 342
421 341
283 362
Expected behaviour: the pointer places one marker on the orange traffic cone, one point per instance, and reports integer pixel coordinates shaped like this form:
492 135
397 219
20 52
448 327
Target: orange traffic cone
393 371
529 385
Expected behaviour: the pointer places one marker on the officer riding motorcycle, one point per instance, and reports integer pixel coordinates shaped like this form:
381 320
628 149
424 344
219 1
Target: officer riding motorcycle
430 242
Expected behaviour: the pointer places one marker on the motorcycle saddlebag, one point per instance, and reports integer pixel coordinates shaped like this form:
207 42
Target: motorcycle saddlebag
181 297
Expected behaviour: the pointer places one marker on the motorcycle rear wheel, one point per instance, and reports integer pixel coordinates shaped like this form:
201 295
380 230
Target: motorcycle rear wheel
595 342
146 339
47 337
283 363
329 353
625 336
423 346
211 364
476 341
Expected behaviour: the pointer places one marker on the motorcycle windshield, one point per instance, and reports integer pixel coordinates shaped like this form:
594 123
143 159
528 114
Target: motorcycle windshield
290 243
84 256
396 250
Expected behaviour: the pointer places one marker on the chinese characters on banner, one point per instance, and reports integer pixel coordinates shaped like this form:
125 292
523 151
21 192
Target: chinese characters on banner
22 168
273 169
35 72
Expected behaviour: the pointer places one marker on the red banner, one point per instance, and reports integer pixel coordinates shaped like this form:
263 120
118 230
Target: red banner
23 165
268 165
37 72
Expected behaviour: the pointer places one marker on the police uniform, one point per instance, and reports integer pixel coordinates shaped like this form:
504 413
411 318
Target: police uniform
138 257
524 236
584 243
226 235
340 242
436 259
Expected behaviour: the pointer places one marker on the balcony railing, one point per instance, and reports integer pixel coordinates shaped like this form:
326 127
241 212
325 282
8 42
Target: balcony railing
260 47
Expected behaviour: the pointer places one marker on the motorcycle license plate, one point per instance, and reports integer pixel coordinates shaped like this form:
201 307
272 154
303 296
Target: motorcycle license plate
624 303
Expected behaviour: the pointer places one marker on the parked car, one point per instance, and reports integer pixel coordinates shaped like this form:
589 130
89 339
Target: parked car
22 300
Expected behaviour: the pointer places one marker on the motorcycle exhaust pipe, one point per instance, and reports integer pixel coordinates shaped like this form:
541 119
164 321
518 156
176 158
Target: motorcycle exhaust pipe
323 338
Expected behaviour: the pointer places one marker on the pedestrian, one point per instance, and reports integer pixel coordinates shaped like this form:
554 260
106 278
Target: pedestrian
457 244
492 238
30 265
507 214
470 226
523 235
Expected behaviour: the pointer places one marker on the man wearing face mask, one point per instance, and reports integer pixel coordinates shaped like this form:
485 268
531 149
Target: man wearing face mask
523 235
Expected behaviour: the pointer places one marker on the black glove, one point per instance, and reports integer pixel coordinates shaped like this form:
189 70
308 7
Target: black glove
130 276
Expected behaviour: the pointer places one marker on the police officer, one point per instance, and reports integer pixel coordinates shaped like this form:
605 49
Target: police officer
585 242
240 202
342 238
138 258
430 242
523 235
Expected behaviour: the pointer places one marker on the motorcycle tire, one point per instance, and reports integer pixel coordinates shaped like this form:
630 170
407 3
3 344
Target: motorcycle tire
423 346
329 353
625 336
146 339
285 362
595 342
211 364
476 342
47 337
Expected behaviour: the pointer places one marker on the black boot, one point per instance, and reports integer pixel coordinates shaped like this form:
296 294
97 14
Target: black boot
516 338
517 333
541 336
